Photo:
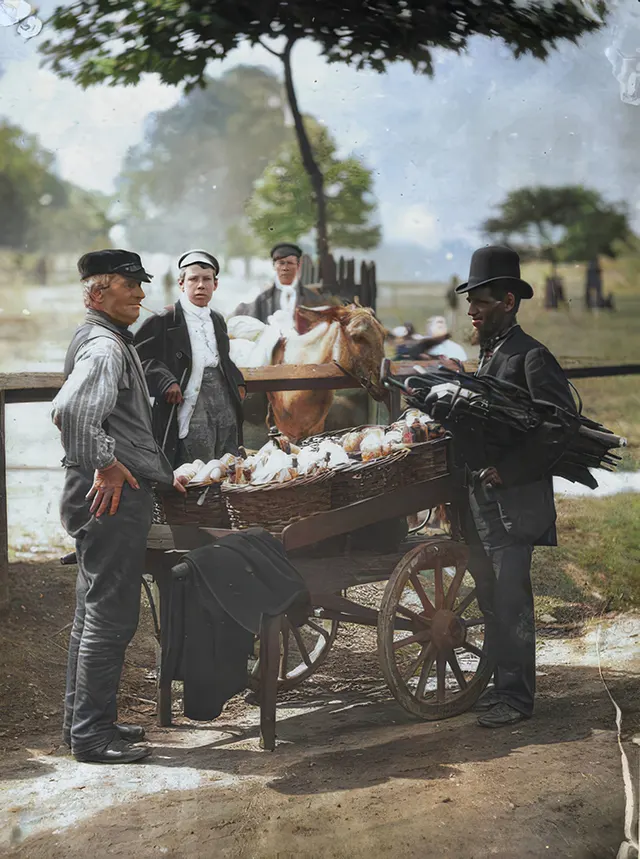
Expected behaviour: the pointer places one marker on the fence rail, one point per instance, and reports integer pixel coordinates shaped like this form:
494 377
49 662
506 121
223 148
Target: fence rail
42 387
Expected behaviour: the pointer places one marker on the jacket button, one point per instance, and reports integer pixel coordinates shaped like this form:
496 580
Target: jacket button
178 354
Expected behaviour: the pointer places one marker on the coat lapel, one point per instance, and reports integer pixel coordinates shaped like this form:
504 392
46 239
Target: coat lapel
178 333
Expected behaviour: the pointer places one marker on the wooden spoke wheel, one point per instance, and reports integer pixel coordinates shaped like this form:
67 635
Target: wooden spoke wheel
431 632
302 651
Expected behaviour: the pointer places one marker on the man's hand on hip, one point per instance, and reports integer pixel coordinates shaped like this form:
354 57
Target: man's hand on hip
173 394
107 488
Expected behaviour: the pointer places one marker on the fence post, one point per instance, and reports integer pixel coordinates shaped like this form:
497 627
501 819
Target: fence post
373 285
4 526
306 273
364 285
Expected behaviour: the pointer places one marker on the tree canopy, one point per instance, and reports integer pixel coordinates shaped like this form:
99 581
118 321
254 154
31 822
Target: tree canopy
190 178
565 223
38 210
282 206
118 41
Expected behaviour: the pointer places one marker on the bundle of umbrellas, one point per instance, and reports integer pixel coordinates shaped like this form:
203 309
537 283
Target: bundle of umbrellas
503 412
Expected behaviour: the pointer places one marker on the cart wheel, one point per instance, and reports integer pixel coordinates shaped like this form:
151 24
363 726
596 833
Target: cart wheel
431 632
302 651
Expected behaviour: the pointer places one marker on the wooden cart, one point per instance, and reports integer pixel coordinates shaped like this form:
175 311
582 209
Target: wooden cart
430 630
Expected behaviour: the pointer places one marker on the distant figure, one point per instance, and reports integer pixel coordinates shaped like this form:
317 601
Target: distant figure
593 285
167 285
286 293
452 295
406 331
41 271
593 288
554 292
436 342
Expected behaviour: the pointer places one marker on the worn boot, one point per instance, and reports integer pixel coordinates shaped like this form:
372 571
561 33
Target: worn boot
116 752
128 733
500 715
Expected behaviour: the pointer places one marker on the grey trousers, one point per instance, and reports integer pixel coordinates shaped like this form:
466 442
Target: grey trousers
213 428
111 555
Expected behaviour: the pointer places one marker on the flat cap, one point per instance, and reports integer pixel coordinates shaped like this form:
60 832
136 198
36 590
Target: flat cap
285 249
113 261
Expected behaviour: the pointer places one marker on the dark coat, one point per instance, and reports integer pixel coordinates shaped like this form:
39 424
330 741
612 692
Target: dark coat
165 351
527 492
214 609
268 302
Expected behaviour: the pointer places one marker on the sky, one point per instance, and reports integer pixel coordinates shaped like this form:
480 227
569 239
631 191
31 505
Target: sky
444 151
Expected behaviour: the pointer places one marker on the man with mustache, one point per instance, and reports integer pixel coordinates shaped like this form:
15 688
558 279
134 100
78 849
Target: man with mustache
103 412
511 498
197 413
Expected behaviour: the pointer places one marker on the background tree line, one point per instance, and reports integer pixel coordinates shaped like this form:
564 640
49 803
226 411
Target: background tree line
39 212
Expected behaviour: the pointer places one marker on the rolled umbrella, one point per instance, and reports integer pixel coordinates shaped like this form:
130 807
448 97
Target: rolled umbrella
503 412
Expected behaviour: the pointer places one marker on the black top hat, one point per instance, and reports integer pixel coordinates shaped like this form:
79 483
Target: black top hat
285 249
200 258
113 261
493 264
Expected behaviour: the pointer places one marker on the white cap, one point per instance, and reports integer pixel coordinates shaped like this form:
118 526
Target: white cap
201 258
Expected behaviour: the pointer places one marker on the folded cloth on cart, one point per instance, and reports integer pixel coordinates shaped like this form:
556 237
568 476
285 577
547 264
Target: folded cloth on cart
251 342
216 601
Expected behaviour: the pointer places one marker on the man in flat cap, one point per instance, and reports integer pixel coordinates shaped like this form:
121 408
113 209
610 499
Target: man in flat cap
197 412
286 292
111 460
510 499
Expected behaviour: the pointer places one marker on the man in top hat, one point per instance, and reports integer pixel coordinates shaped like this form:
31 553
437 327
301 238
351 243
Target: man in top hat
111 460
511 505
286 292
197 411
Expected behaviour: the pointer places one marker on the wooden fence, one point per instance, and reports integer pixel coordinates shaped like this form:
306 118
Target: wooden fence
340 279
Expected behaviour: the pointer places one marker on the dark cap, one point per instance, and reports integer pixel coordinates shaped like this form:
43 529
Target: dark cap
285 249
113 261
496 264
199 258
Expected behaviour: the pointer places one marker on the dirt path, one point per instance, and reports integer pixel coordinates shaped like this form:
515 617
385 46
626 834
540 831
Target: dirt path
353 775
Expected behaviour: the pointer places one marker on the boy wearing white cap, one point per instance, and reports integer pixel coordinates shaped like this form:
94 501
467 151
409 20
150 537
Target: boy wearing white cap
185 354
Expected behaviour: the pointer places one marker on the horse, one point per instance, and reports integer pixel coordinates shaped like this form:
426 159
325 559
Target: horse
349 336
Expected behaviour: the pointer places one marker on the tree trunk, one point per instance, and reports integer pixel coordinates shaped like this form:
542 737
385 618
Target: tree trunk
309 163
247 268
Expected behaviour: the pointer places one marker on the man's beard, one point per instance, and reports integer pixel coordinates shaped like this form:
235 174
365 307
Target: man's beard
493 328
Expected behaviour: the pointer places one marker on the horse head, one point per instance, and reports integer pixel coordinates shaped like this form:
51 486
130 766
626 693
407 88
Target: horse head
354 340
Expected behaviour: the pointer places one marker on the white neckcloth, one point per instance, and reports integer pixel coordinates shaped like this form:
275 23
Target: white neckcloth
204 353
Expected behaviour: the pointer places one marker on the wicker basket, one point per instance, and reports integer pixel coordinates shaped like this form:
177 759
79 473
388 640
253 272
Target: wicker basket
362 480
199 505
275 505
425 461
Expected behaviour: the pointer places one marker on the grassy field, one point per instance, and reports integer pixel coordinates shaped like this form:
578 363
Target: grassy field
597 561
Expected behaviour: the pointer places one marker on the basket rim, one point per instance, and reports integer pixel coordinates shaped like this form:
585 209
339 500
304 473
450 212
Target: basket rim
321 477
192 488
